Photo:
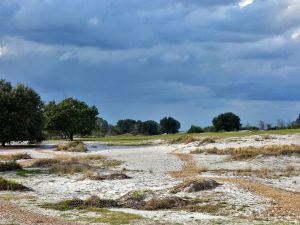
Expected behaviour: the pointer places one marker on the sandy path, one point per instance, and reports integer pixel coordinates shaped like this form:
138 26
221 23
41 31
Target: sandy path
11 213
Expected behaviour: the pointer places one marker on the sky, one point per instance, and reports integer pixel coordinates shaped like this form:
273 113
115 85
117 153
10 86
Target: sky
141 59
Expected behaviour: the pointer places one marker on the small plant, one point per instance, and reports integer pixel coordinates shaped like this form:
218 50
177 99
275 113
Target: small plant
9 166
9 185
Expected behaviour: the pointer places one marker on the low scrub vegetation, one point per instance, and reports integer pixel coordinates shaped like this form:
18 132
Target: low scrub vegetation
136 200
74 146
251 152
16 156
183 139
9 166
25 173
9 185
92 202
195 186
79 164
113 176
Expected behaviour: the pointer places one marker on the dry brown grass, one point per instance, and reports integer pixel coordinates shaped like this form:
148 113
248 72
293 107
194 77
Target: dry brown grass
16 156
74 146
189 167
63 164
251 152
287 203
262 172
183 139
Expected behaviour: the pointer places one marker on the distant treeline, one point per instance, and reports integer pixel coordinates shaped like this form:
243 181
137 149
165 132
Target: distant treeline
24 117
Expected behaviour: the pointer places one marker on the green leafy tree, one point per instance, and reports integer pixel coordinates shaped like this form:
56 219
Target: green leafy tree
195 129
101 128
297 122
126 126
70 117
169 125
149 127
227 122
21 114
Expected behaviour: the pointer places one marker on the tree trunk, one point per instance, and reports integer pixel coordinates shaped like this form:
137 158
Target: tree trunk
2 143
71 136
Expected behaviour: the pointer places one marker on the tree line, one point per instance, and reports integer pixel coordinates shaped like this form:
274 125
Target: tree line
24 117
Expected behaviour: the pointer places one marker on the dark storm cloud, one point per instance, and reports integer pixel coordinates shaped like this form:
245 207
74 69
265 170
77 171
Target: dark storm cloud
146 59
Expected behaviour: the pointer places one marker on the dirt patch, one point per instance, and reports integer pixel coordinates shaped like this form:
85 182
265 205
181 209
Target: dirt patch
15 215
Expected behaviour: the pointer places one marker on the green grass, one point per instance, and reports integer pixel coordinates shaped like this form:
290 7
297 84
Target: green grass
137 139
25 173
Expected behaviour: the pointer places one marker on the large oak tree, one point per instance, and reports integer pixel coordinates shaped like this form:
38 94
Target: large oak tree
70 117
21 114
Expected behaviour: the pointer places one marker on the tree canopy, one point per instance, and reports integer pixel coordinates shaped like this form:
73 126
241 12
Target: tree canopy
21 114
70 117
169 125
227 122
195 129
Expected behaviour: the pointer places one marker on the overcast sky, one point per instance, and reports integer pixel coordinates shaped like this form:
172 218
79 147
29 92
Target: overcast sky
141 59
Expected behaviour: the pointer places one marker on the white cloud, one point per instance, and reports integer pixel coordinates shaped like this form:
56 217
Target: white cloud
296 35
245 3
3 51
94 21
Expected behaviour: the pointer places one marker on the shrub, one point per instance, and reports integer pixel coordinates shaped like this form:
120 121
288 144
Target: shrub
8 166
9 185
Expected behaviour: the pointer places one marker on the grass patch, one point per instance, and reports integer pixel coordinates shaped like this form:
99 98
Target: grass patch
139 139
10 185
183 139
113 217
70 165
92 202
74 146
25 173
251 152
16 156
9 166
69 168
208 208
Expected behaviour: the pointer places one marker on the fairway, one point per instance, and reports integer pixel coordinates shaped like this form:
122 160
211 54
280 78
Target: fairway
137 139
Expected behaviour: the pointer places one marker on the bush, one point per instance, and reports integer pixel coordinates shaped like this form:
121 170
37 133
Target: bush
195 129
9 185
8 166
